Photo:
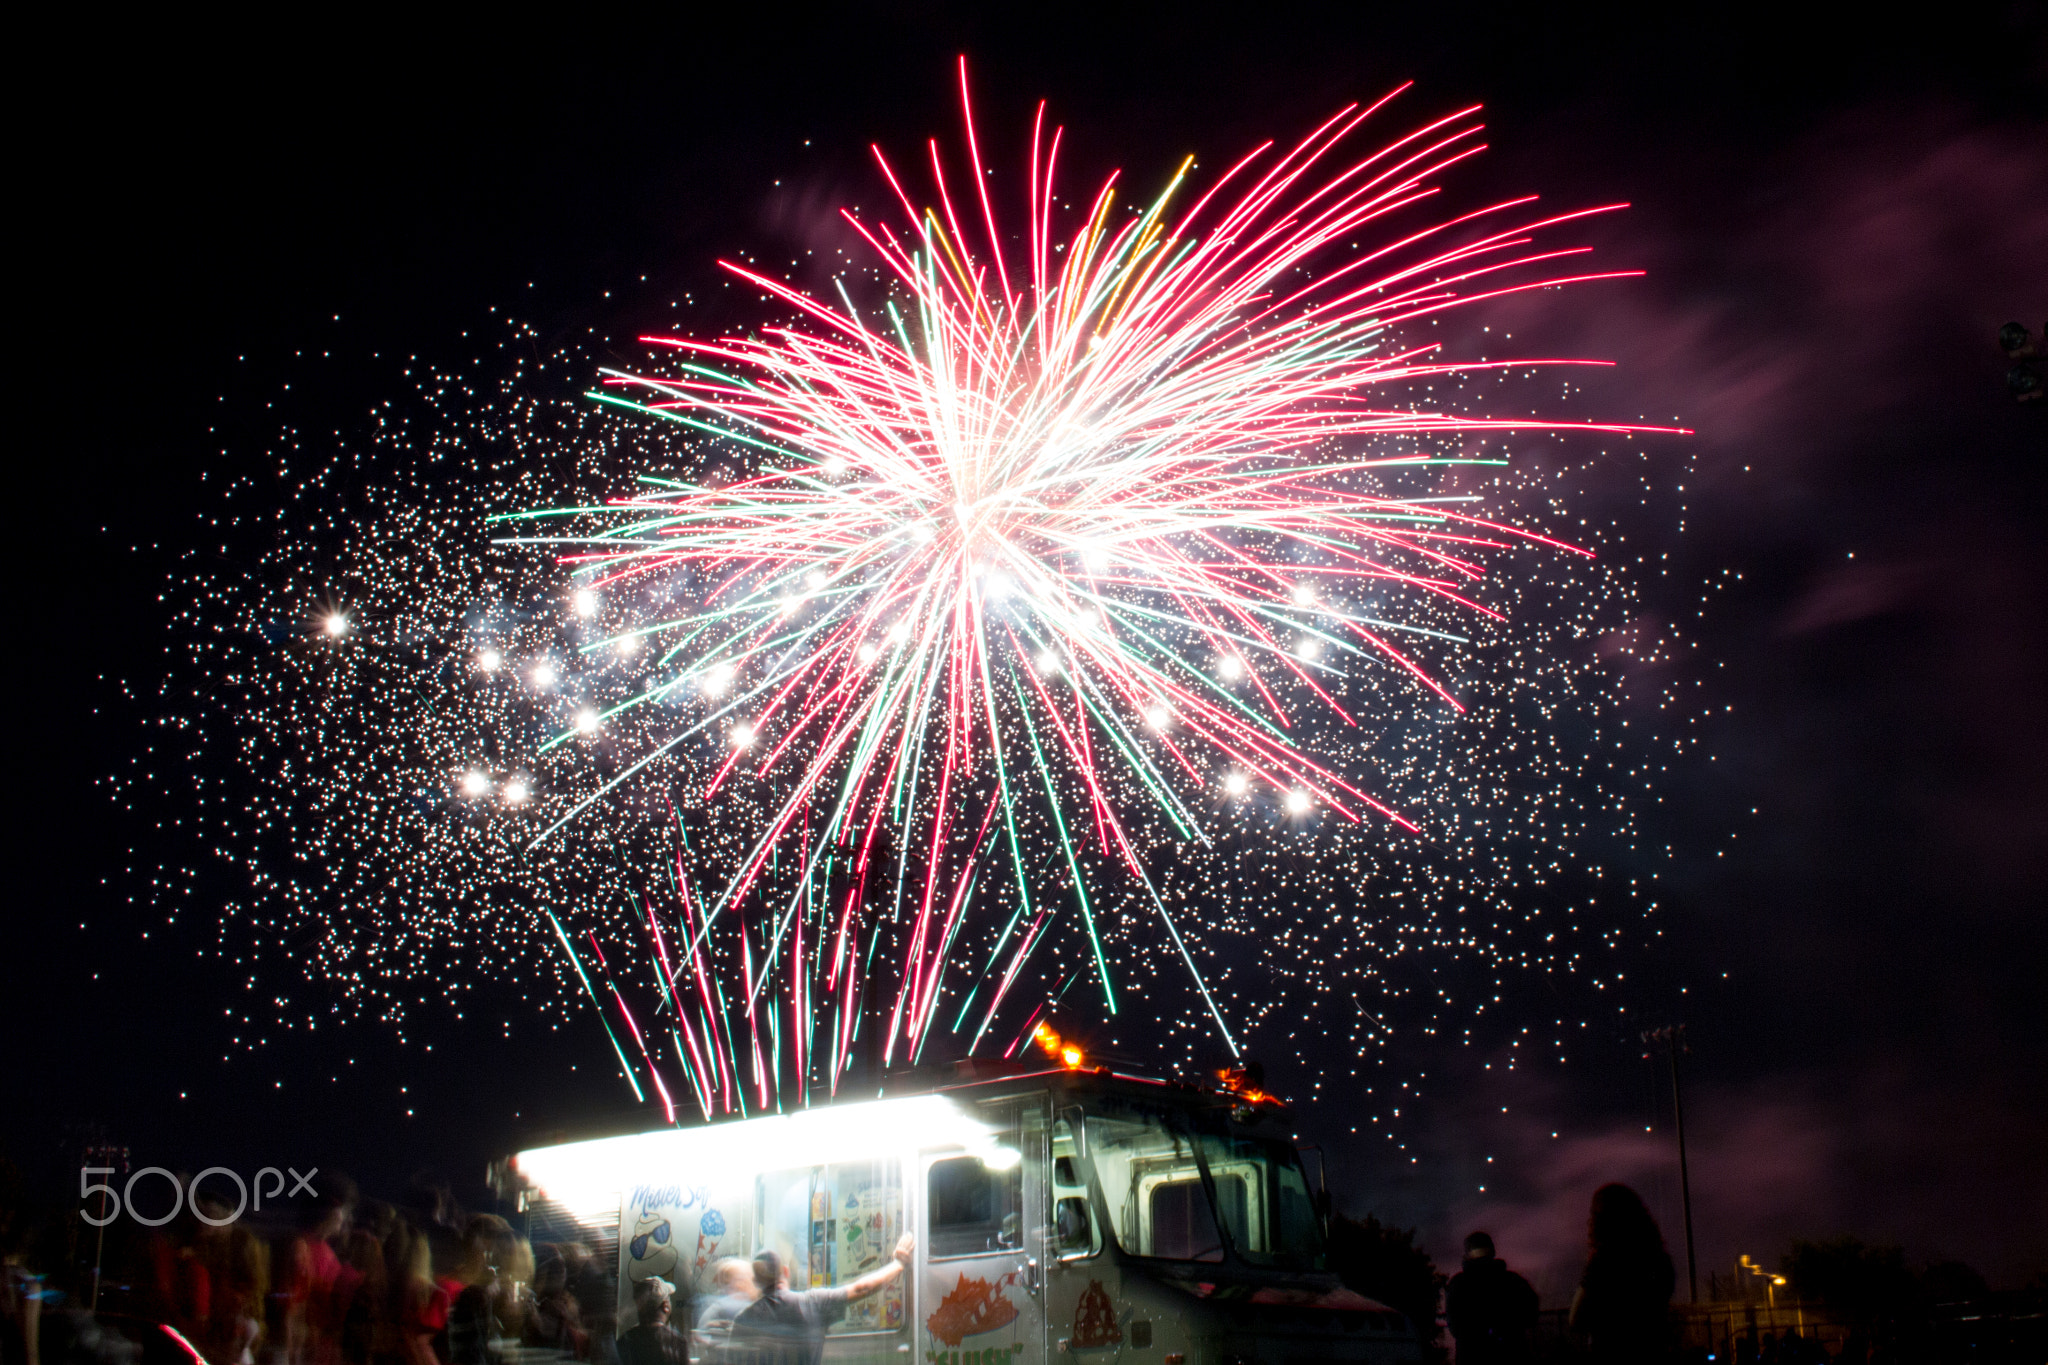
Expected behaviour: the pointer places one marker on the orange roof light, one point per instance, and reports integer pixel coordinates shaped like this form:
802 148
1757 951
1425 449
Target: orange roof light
1248 1083
1056 1047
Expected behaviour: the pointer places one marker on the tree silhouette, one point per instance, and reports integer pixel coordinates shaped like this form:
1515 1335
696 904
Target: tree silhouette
1384 1263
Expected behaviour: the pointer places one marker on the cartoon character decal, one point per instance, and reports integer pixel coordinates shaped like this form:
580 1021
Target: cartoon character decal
653 1247
651 1250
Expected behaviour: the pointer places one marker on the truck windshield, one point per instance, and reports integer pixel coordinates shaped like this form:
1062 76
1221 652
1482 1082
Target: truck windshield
1179 1184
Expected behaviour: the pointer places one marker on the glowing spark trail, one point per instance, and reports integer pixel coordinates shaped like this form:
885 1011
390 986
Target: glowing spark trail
1105 610
1104 522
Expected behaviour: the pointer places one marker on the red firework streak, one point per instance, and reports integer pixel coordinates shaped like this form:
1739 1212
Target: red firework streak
1028 539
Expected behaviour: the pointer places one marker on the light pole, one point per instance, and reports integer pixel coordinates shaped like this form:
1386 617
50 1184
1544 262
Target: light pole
1673 1038
1771 1282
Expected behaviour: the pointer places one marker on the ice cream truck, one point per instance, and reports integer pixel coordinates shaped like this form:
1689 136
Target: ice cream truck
1063 1216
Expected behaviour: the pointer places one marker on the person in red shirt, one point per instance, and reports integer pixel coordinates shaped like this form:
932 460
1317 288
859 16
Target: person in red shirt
312 1271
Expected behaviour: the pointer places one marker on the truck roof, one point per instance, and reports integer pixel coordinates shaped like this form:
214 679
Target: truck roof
927 1107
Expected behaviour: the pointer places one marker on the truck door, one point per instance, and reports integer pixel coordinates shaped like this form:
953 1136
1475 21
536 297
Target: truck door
980 1251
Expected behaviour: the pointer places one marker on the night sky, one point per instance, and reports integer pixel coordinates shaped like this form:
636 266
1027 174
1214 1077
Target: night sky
1835 220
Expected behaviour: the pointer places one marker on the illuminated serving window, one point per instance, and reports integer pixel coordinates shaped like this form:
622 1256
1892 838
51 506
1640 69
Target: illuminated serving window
832 1224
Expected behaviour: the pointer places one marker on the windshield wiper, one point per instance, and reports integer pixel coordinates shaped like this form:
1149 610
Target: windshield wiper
1225 1244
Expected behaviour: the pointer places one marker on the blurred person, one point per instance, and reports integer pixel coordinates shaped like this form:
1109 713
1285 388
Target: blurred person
394 1243
237 1264
375 1217
1489 1308
312 1328
180 1292
362 1298
653 1341
597 1303
557 1319
1623 1304
732 1284
787 1327
496 1271
419 1303
430 1204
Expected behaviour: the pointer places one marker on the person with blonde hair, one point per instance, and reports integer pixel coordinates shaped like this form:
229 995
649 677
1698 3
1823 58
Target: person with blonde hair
732 1283
419 1304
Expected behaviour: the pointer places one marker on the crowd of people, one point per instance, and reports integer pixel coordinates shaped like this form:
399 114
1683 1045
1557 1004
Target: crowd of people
362 1282
354 1281
349 1282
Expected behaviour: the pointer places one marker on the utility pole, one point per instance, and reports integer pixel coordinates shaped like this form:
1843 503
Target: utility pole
1673 1038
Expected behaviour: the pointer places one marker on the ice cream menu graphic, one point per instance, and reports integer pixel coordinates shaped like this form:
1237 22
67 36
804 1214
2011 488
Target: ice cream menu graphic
869 1220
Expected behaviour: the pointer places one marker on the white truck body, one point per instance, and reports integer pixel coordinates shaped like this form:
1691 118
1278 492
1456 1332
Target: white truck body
1061 1217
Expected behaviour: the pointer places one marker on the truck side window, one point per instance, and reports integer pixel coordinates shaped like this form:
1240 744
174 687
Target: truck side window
974 1209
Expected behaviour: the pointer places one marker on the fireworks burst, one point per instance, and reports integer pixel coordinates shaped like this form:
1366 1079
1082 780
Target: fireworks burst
952 621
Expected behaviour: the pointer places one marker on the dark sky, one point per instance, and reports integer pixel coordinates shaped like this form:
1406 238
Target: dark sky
1835 220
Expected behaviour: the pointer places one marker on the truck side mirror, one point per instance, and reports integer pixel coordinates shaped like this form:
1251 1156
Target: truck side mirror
1071 1225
